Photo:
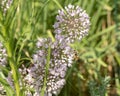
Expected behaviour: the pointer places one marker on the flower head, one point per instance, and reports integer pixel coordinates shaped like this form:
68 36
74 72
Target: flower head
73 23
3 63
60 59
3 55
5 5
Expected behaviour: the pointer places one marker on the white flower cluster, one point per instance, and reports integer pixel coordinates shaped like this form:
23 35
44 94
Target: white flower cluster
5 5
3 55
61 58
3 62
73 23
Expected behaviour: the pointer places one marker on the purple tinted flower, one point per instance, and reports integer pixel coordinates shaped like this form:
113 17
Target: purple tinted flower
73 25
5 5
3 55
60 59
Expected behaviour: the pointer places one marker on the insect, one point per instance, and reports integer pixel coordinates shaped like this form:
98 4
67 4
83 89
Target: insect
76 58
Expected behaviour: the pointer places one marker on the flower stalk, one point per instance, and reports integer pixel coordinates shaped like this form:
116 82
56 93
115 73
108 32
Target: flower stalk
47 72
13 66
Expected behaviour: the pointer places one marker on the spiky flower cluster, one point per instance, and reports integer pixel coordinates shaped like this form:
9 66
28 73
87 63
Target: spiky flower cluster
5 5
73 23
3 62
61 58
3 55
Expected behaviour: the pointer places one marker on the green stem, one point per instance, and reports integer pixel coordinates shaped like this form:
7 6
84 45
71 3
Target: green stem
58 4
45 19
12 63
46 72
13 66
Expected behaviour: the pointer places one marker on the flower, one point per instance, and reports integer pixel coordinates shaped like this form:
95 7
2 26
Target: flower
3 55
61 58
3 63
73 23
5 5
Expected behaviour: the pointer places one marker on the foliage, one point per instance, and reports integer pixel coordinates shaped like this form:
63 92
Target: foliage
98 54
